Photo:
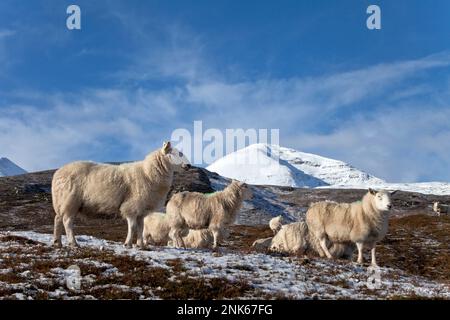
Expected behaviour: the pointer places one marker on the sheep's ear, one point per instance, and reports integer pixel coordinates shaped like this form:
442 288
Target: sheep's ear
167 147
394 192
371 191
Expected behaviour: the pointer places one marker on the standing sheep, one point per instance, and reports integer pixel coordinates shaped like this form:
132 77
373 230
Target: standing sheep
363 223
276 223
131 190
193 210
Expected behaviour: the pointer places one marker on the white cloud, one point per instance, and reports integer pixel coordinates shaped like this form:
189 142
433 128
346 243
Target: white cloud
48 130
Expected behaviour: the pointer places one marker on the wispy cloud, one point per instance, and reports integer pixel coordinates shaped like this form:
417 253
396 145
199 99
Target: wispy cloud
369 116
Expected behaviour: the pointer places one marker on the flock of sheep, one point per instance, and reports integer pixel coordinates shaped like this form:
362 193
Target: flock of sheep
137 191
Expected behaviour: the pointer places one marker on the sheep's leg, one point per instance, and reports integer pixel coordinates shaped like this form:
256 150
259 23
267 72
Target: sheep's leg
57 232
323 245
140 230
216 237
177 240
132 226
374 260
360 247
68 225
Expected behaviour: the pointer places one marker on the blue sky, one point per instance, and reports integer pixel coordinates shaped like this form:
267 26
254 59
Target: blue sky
137 70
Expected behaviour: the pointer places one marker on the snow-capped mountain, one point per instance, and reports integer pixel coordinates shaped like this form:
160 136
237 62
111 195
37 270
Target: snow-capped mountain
9 168
274 165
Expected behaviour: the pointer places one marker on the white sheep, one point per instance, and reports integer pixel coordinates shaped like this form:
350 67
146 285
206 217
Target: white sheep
292 238
197 239
156 232
156 229
193 210
441 208
275 224
131 190
364 222
295 238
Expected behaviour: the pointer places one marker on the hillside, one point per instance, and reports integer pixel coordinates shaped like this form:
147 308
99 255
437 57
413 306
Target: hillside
414 256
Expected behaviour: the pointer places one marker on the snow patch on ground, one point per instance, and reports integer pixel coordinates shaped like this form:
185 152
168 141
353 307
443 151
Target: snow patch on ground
290 276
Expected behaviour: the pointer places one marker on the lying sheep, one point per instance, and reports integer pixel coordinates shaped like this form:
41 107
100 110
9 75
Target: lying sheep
156 232
441 208
156 229
197 239
193 210
130 190
295 238
292 238
275 224
364 222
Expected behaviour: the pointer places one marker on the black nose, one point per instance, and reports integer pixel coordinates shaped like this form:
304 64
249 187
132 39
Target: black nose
188 166
389 206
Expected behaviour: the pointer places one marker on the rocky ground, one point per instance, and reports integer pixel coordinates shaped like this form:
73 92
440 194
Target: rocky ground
414 256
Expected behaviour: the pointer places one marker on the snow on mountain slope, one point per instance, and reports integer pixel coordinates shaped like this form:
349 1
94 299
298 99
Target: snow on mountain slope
275 165
9 168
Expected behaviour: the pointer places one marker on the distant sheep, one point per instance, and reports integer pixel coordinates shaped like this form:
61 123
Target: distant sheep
131 190
441 208
193 210
364 222
276 223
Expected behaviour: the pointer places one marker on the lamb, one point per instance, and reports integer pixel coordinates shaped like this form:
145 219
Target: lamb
275 224
193 210
156 229
131 190
441 208
197 239
156 232
364 222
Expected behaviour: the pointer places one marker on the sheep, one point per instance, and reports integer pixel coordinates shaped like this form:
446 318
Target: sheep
156 232
197 239
295 238
292 238
364 222
275 224
193 210
262 244
441 208
156 229
131 190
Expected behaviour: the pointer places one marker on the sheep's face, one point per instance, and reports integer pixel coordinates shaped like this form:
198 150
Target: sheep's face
247 192
381 200
176 158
